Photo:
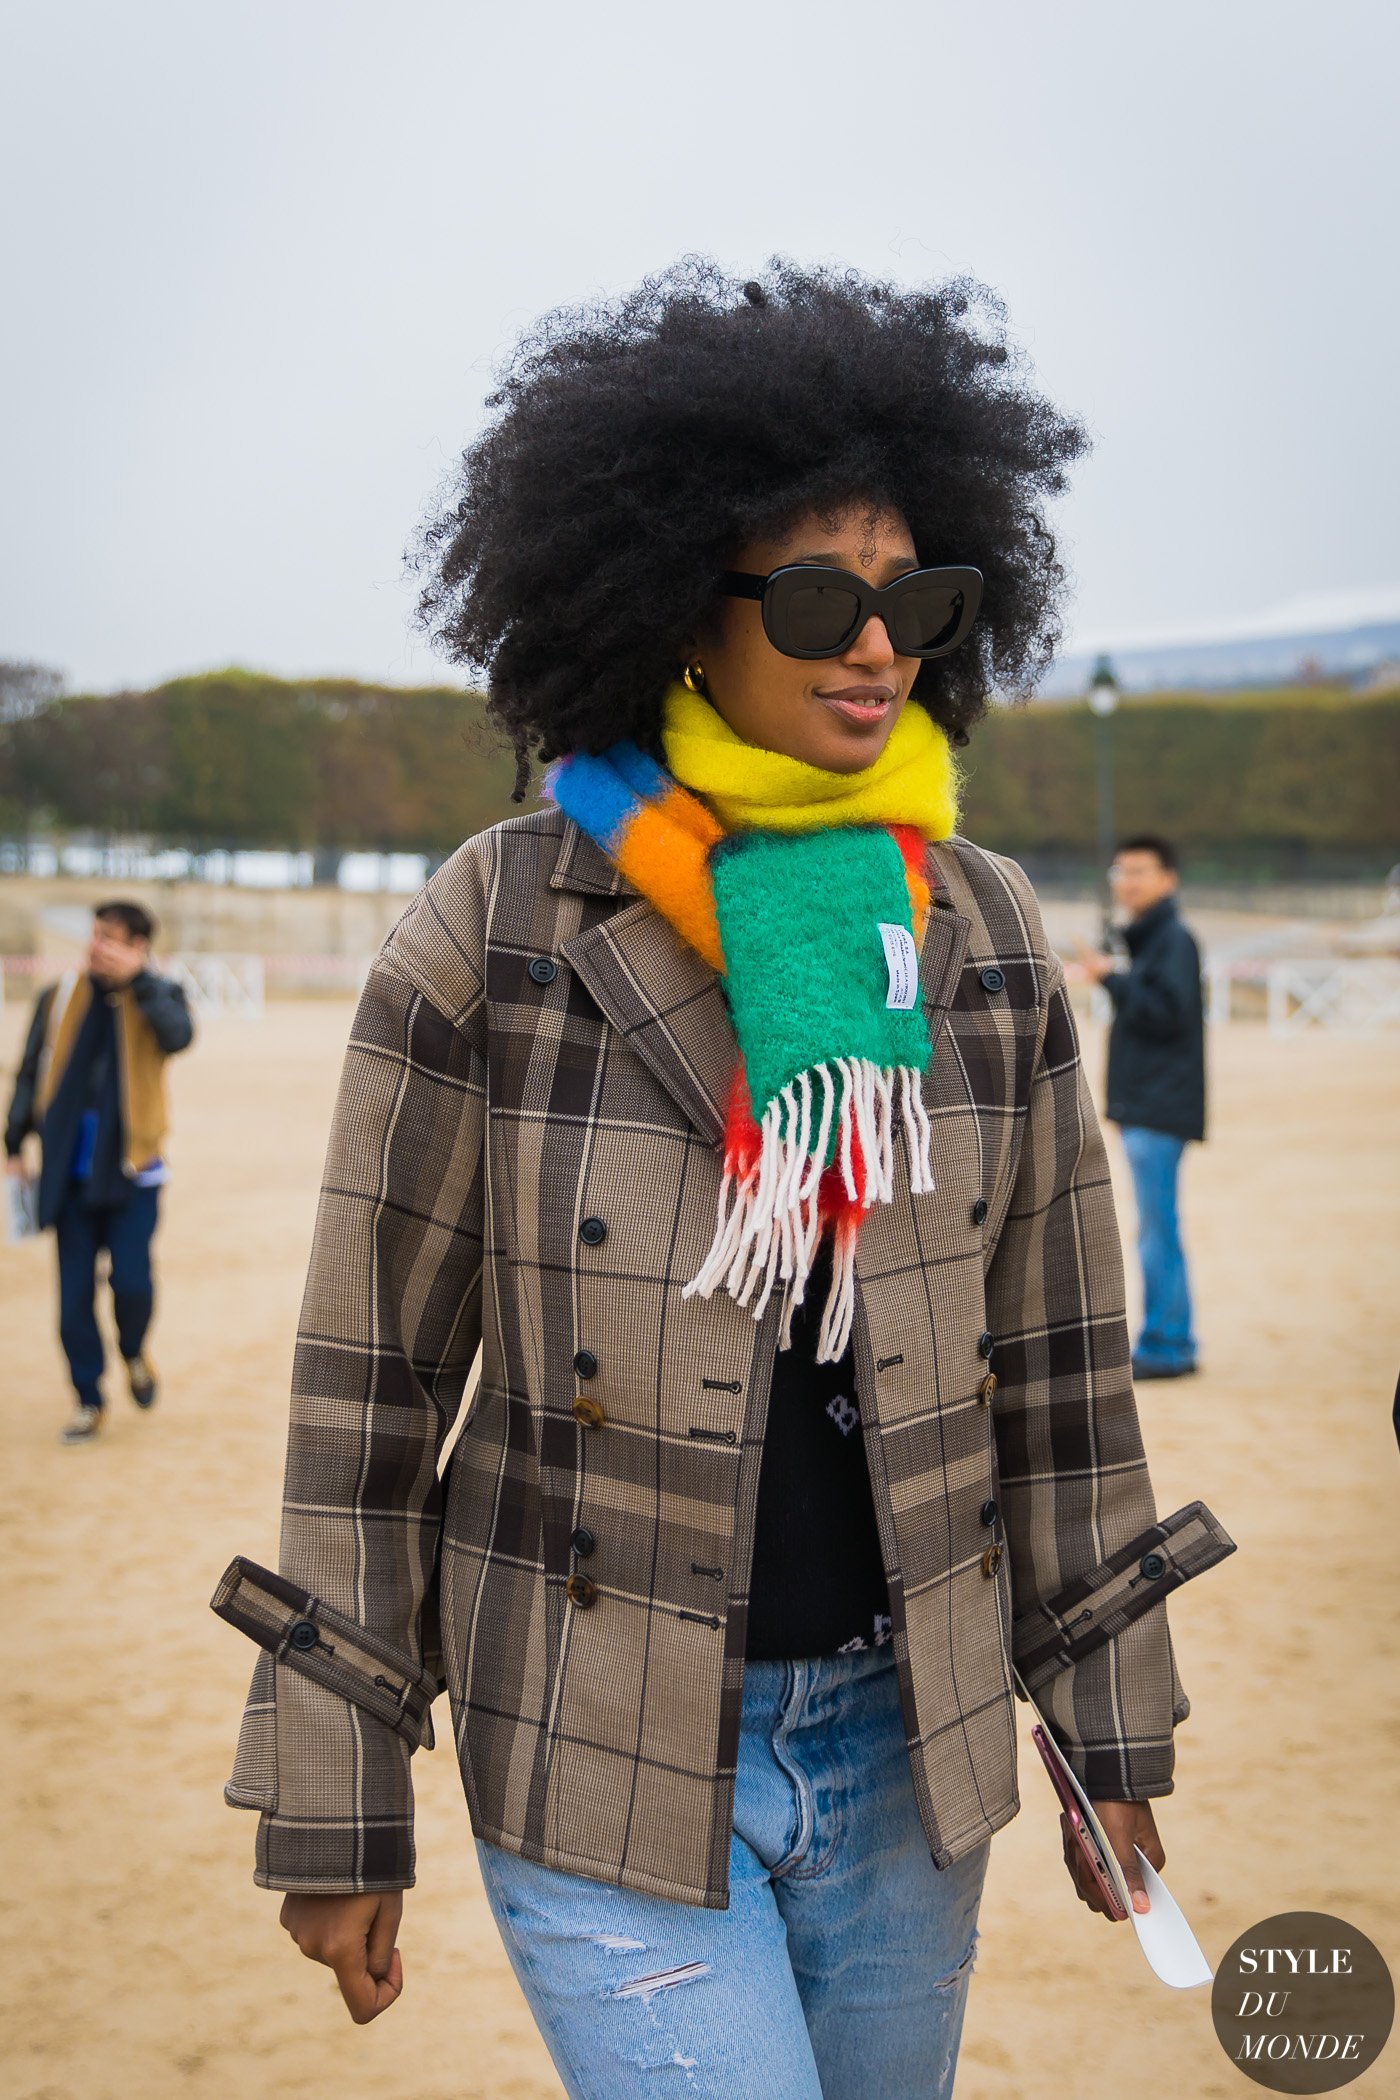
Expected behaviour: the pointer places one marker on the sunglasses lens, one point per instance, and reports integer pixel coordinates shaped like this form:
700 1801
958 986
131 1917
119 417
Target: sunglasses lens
926 617
821 616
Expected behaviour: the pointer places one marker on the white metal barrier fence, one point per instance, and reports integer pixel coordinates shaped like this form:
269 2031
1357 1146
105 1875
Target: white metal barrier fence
1361 995
217 985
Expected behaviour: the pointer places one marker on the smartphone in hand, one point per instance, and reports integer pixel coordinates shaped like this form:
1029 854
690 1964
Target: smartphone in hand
1100 1868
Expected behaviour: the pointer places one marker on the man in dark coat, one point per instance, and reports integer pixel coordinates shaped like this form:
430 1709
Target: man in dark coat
1156 1085
91 1083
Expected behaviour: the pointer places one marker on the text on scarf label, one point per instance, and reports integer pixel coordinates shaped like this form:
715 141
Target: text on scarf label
902 962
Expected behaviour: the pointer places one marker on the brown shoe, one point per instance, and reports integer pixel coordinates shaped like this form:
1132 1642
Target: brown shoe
83 1427
141 1376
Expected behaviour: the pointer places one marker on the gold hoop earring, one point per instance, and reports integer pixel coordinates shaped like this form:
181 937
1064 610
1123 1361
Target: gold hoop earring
693 677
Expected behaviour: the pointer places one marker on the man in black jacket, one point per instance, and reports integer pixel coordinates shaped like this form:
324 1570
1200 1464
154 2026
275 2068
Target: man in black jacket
91 1084
1156 1085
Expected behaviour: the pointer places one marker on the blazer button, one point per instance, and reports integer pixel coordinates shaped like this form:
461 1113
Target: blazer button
985 1344
580 1591
593 1232
544 969
986 1389
1153 1566
989 1511
583 1542
993 979
304 1635
991 1559
586 1364
979 1211
589 1411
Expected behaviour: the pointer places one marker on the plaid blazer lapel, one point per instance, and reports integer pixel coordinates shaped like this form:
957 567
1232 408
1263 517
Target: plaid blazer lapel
941 957
666 1003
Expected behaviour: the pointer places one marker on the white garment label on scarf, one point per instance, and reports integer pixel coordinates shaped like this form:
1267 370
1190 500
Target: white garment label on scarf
902 962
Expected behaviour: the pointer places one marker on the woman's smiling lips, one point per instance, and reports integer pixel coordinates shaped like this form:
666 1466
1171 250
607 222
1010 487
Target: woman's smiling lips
865 704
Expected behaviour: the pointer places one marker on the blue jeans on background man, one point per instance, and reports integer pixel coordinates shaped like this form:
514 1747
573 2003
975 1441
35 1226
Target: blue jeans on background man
840 1969
125 1230
1166 1342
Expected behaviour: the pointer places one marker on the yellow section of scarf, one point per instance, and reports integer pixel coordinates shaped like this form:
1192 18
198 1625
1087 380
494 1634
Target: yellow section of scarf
913 781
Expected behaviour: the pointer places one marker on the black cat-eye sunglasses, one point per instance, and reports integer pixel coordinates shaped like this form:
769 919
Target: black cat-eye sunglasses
810 611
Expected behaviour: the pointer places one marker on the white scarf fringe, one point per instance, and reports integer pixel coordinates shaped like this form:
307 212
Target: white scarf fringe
768 1224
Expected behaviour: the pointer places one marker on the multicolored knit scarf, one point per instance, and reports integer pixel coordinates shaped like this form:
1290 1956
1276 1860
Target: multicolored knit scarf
806 890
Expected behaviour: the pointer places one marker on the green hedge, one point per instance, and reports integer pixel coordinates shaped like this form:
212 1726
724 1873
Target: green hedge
1283 781
234 758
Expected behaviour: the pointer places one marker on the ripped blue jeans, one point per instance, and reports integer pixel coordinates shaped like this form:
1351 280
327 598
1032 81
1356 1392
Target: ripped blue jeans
840 1969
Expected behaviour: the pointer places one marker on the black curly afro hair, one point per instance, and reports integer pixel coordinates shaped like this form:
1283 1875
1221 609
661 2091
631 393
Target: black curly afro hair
634 446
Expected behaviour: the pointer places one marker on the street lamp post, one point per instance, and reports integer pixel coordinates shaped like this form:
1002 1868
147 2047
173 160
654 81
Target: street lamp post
1103 695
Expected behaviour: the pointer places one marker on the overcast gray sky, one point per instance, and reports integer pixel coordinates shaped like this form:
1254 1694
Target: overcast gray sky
261 256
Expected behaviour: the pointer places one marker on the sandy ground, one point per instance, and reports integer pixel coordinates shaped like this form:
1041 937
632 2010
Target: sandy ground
139 1961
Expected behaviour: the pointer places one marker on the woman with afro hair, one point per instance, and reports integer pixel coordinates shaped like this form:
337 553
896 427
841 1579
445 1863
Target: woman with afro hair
728 1107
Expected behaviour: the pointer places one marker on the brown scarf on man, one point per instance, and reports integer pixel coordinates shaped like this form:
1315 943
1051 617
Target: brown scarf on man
140 1065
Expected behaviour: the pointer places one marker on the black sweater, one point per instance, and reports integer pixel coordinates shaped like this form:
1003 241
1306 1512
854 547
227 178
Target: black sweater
818 1582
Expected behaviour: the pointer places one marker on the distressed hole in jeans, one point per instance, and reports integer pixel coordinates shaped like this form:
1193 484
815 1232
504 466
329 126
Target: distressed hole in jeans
616 1943
955 1977
647 1987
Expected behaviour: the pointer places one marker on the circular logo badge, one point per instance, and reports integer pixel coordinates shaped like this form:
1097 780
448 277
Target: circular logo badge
1303 2003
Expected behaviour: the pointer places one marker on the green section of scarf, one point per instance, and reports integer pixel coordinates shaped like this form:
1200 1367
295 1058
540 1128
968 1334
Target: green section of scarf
805 966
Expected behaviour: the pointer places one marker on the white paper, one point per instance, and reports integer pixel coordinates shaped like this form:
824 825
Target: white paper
1164 1936
902 962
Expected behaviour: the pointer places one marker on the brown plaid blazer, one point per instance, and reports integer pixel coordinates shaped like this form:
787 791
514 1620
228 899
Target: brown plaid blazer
524 1157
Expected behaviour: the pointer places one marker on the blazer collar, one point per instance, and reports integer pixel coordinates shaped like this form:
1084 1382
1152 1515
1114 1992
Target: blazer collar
582 865
669 1005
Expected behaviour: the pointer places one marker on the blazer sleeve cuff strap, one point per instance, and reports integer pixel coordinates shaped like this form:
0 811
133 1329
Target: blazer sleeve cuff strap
308 1636
1091 1610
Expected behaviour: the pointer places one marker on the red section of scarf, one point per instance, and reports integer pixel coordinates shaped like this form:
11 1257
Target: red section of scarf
743 1146
743 1140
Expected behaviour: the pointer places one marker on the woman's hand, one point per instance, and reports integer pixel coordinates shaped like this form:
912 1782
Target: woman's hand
1125 1824
354 1935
